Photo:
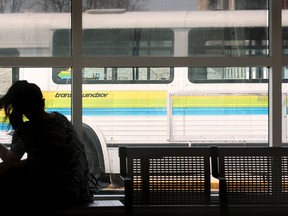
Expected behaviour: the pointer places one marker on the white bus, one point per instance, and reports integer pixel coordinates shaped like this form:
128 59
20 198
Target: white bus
151 105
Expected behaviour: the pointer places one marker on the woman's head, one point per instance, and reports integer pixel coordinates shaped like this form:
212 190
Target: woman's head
22 98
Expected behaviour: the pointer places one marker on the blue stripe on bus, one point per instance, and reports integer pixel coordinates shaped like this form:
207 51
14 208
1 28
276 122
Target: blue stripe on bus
162 111
221 111
159 112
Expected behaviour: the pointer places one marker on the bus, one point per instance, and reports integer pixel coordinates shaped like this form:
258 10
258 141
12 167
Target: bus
151 105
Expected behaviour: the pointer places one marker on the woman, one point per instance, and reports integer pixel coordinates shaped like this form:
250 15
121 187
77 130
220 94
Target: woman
56 169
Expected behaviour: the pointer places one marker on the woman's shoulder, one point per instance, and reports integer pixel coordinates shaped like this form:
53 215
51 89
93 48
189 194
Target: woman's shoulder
59 124
59 118
57 115
53 123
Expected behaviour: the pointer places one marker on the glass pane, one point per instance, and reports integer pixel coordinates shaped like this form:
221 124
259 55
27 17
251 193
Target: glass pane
185 28
27 28
226 104
56 98
7 77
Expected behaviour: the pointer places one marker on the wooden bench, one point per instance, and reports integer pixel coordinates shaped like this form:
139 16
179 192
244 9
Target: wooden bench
165 177
252 181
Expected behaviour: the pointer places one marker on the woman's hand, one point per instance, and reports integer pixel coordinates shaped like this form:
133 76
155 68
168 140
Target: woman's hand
16 118
4 168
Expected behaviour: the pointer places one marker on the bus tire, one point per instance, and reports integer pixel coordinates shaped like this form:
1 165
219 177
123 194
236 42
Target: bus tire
95 156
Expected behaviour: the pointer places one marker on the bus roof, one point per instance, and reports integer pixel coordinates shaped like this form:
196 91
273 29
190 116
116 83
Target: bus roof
171 19
35 29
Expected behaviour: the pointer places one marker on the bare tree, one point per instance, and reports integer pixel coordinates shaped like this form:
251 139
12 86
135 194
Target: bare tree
2 6
16 6
129 5
60 5
54 5
44 5
12 6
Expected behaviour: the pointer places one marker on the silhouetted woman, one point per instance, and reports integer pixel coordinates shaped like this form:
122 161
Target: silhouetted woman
55 170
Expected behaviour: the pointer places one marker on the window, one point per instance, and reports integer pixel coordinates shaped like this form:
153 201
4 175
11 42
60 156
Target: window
136 75
137 64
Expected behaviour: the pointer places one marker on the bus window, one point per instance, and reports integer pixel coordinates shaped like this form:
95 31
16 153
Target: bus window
244 41
228 75
9 52
117 42
128 42
110 75
285 41
232 75
285 73
61 42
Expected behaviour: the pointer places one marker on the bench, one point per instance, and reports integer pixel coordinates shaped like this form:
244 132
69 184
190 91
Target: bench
165 177
252 180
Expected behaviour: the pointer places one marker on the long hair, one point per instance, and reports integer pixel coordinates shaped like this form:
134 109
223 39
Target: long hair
21 98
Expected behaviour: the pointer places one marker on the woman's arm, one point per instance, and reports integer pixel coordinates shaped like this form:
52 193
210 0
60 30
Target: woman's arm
10 159
3 152
13 156
9 155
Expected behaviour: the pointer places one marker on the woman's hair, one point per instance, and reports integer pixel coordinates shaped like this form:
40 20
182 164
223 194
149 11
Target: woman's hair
21 99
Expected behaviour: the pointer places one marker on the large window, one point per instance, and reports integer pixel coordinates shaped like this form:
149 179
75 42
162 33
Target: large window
153 72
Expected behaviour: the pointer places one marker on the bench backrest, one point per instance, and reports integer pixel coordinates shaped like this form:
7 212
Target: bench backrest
254 175
167 175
